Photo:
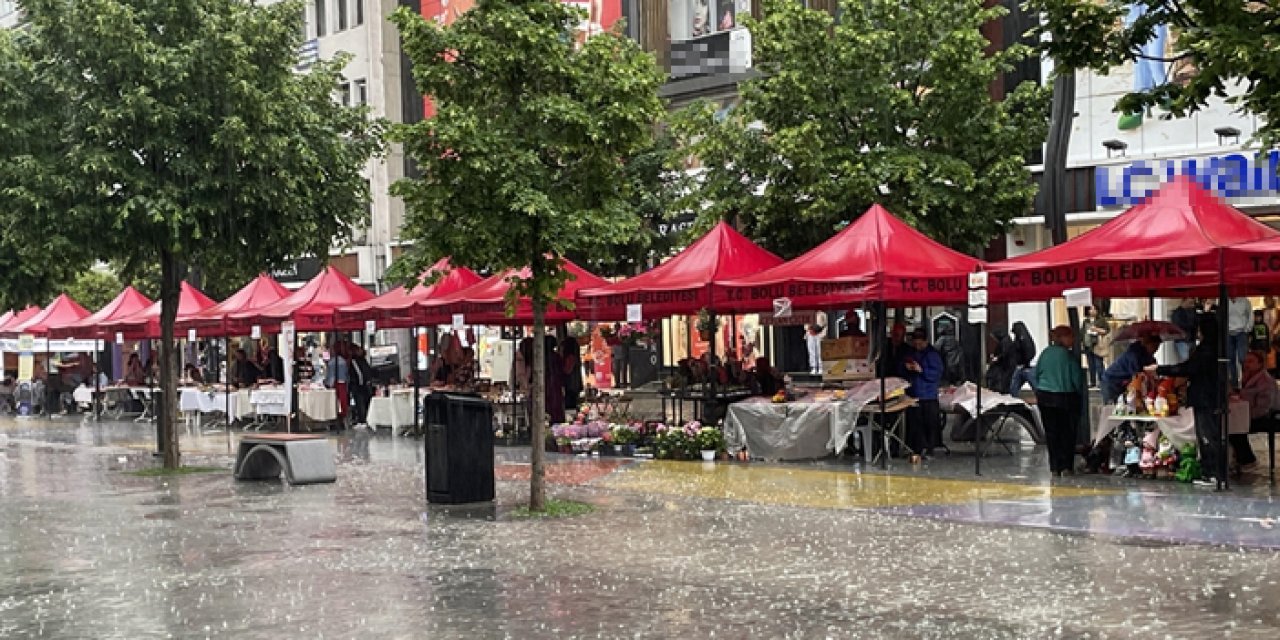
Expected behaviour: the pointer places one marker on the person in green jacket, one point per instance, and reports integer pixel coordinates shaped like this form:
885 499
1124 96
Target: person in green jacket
1059 389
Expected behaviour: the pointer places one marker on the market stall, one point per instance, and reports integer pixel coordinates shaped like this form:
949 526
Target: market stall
211 321
807 426
145 324
1178 243
395 308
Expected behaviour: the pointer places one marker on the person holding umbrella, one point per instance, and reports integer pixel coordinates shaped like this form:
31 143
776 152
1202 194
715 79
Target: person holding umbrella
1201 372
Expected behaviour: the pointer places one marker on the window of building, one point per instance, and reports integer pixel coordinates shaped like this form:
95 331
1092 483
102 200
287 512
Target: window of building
688 19
7 7
344 94
359 93
342 15
320 17
359 12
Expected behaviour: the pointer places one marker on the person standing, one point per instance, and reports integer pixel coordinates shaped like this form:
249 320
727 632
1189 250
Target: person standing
619 352
1239 323
570 355
894 352
1201 371
361 386
813 342
952 358
922 367
553 381
1097 343
338 378
1184 317
1059 385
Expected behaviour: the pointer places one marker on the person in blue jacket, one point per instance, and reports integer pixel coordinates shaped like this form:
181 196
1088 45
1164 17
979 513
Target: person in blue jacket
1141 353
923 368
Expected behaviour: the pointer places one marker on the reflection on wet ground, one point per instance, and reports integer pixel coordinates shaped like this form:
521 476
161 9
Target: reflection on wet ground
674 550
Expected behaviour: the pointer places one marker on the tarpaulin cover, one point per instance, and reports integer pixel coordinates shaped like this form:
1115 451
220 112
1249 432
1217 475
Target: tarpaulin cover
876 258
311 307
145 324
19 317
127 303
63 310
684 284
261 292
800 430
1172 244
394 309
485 301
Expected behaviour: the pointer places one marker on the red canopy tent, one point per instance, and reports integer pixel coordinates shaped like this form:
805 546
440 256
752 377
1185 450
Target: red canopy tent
877 258
683 284
145 324
127 303
1174 243
485 302
311 307
63 310
394 309
18 317
1254 267
263 291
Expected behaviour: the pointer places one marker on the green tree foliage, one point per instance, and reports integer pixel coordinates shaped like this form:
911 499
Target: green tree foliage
177 133
890 105
525 160
93 289
1231 45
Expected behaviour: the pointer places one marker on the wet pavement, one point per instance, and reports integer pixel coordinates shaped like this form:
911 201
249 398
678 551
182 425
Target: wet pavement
674 549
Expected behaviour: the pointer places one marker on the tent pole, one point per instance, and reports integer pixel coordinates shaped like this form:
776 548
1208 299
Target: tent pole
226 385
882 313
1223 366
417 375
97 387
982 370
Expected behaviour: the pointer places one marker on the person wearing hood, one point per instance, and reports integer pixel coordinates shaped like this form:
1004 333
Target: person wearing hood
1140 354
1004 358
1025 347
1201 372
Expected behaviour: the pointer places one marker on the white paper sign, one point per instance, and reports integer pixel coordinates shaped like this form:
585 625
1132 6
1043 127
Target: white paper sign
119 338
978 280
782 307
977 297
978 315
1079 297
255 332
284 345
370 326
635 313
191 335
458 322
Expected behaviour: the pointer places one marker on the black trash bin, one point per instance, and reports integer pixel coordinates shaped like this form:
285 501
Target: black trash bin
459 448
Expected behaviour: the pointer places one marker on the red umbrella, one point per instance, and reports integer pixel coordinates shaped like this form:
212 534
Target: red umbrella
878 258
127 303
684 284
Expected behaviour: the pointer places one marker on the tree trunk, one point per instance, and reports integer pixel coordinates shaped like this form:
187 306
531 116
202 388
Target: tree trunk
170 291
537 488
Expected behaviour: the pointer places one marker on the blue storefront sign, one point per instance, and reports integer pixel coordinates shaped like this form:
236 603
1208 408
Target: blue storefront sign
1231 176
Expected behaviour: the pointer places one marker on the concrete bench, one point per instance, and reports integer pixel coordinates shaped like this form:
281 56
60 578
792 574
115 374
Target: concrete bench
303 458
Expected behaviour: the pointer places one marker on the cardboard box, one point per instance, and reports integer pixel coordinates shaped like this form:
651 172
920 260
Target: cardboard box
846 348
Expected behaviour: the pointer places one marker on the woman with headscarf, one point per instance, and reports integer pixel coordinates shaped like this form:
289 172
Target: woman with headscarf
554 381
1004 358
1026 353
1201 372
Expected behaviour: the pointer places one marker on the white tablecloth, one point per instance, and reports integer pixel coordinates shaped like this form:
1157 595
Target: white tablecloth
320 405
82 395
799 430
197 400
270 402
393 411
1180 429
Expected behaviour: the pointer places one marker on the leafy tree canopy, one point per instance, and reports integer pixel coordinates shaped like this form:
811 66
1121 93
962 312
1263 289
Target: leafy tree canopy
94 288
526 160
1231 46
890 104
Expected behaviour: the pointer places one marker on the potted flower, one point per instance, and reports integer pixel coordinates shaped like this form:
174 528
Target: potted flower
670 443
706 325
709 441
624 438
631 334
609 335
581 332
